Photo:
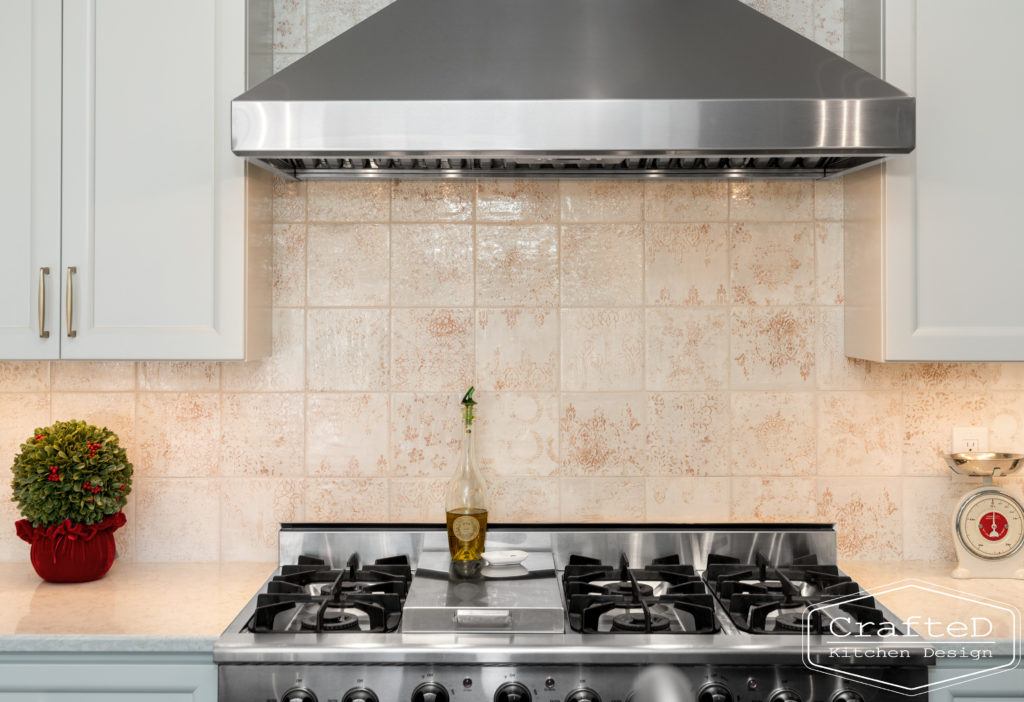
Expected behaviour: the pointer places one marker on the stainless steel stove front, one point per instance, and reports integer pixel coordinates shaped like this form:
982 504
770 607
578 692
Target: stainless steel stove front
540 683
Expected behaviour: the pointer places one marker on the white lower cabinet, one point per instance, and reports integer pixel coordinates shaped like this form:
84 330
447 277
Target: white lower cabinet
1006 686
105 677
156 243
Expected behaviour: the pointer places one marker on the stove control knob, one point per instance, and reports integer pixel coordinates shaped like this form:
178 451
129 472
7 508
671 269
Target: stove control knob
583 695
847 696
785 695
299 694
430 692
359 694
714 692
512 692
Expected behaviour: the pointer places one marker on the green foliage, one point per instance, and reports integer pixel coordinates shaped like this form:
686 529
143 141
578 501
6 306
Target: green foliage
71 470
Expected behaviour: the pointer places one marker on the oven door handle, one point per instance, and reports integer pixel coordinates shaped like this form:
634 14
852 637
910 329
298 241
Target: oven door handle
483 619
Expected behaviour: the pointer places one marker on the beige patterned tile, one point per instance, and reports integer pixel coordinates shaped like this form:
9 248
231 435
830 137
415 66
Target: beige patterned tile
426 434
12 548
602 265
180 376
124 538
348 500
687 434
773 433
603 434
24 376
417 499
829 18
289 201
432 265
283 370
93 376
288 285
828 263
928 504
349 202
251 513
516 265
20 415
518 499
796 14
348 265
505 200
114 410
771 201
327 19
951 376
261 434
829 194
602 499
176 519
1008 376
290 26
772 263
688 500
868 514
687 349
282 61
432 201
347 350
517 433
836 371
929 418
601 200
517 349
178 434
860 433
773 499
602 349
687 264
772 347
347 435
686 201
431 349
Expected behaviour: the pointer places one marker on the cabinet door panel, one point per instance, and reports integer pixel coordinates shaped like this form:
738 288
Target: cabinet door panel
30 178
153 197
955 277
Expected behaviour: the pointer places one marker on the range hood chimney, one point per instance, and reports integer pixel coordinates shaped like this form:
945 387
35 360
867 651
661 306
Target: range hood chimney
570 88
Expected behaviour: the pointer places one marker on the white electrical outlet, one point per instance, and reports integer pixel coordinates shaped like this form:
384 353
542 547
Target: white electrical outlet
970 439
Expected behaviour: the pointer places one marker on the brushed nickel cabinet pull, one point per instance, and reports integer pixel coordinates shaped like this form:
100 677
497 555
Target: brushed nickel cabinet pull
43 272
68 297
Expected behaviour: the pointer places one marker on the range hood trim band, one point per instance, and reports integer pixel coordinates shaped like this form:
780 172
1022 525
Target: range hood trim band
539 128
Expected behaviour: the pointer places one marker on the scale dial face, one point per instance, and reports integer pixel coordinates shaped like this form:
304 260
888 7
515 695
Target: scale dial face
990 524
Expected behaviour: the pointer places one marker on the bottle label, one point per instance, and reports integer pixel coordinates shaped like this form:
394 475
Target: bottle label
465 528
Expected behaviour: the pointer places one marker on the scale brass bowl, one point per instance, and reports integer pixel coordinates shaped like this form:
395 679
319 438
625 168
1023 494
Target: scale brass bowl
984 464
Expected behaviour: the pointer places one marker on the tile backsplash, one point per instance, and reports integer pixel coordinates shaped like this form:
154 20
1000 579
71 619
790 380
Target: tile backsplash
643 351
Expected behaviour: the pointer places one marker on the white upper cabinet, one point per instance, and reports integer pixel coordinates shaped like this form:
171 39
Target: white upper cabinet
935 240
30 179
156 258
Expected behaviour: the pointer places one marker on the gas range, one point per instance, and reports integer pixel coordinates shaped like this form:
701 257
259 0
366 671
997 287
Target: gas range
595 613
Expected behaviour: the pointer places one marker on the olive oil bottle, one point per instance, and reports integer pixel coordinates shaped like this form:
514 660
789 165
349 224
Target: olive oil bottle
466 501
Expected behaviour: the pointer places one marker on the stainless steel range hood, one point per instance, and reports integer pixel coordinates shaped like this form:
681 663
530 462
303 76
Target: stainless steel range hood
570 88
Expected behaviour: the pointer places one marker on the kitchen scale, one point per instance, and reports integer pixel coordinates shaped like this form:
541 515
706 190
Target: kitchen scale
988 522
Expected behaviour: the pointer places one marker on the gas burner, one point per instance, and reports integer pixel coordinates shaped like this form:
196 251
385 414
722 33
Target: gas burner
635 621
335 619
792 621
626 588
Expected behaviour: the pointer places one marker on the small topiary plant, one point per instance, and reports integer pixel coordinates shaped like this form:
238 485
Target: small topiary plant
71 471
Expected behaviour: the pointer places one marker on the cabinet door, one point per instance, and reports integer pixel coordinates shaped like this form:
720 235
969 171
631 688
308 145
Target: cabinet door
953 242
153 204
30 178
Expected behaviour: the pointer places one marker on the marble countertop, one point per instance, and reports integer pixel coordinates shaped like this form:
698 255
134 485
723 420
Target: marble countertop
186 606
135 607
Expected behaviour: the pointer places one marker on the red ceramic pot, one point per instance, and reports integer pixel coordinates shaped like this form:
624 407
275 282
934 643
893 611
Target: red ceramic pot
72 553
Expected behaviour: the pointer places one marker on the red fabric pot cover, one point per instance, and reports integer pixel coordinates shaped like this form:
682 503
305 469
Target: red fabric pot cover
72 553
